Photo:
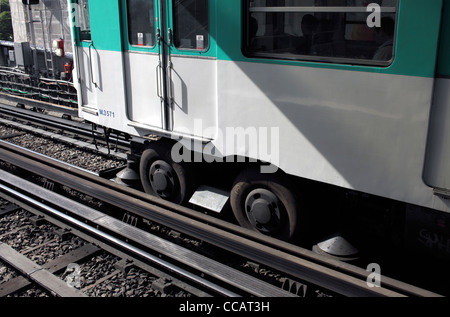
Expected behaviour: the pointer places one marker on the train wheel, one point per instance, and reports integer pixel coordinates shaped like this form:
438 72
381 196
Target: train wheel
161 177
264 203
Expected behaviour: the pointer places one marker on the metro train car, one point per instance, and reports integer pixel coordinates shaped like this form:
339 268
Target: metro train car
283 95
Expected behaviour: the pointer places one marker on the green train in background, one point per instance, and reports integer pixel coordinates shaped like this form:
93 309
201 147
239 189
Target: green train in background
280 110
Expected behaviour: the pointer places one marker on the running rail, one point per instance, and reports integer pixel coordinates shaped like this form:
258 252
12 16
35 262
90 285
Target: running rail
333 275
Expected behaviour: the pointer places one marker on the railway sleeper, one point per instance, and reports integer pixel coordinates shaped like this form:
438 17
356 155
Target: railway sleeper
8 208
37 220
124 265
162 285
19 283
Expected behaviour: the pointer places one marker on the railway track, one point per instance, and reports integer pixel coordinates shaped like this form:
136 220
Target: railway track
126 232
114 244
65 128
80 267
302 265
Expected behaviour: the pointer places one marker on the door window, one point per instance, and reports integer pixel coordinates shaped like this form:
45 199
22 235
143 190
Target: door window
82 19
141 22
191 24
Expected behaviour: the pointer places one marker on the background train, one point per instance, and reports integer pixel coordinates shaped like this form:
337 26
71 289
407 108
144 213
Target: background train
299 116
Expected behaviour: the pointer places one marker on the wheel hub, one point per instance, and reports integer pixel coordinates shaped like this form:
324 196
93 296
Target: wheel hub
263 210
162 179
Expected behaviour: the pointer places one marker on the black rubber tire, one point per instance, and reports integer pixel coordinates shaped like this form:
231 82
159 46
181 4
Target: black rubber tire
182 184
278 184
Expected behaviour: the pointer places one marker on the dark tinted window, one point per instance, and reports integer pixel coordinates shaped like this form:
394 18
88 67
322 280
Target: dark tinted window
141 22
191 23
321 30
82 19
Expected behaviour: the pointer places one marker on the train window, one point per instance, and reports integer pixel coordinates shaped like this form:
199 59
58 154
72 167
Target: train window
84 20
340 31
191 24
141 22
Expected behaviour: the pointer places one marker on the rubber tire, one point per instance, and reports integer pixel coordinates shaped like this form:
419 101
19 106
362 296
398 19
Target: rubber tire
183 185
278 184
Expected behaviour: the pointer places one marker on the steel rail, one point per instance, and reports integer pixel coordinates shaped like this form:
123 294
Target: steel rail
39 104
41 118
333 275
116 241
75 127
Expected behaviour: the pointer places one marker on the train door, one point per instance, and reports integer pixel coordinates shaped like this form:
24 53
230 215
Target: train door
191 67
170 66
143 63
87 60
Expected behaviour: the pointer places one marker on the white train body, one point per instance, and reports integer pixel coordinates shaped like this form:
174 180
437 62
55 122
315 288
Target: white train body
374 127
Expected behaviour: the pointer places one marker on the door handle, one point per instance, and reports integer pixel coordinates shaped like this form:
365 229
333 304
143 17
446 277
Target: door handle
158 36
91 44
158 81
169 37
169 81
